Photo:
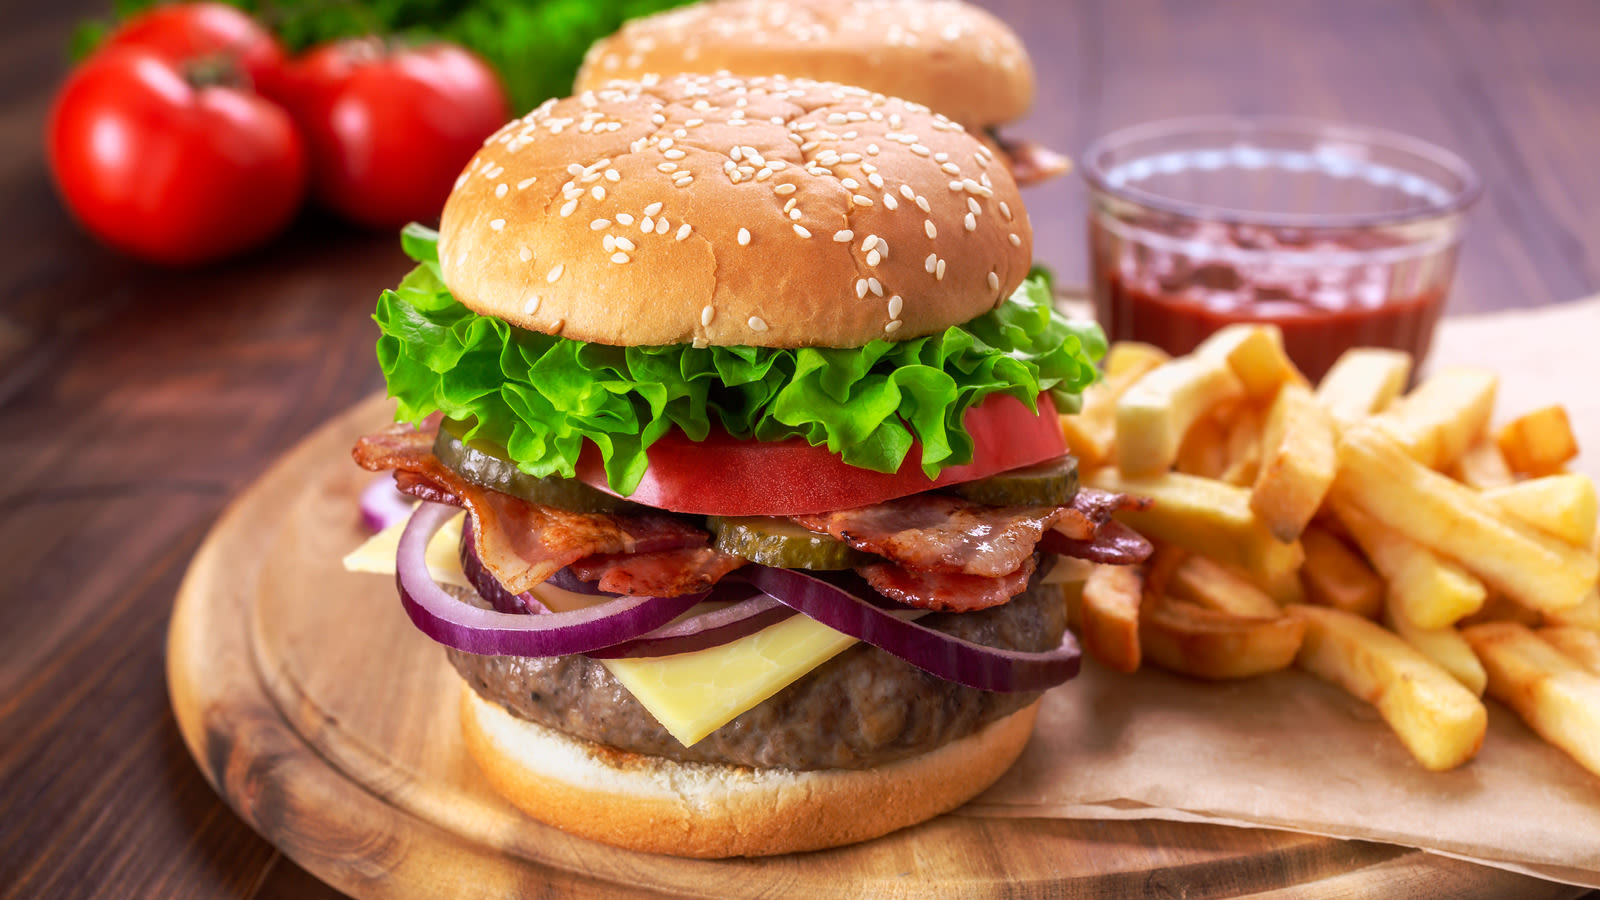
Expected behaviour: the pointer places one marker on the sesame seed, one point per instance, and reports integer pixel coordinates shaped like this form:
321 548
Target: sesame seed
895 305
873 258
1014 239
744 237
501 189
970 222
861 288
666 167
708 313
849 157
653 209
756 324
794 214
674 154
531 307
625 245
1005 210
599 224
682 180
872 149
920 150
890 202
933 258
784 189
875 287
907 192
662 227
609 242
624 218
844 237
801 230
860 200
647 225
574 170
612 175
683 231
555 273
524 254
619 258
850 183
938 271
927 225
875 180
950 169
789 204
892 327
972 205
955 187
460 180
599 193
569 208
994 282
497 224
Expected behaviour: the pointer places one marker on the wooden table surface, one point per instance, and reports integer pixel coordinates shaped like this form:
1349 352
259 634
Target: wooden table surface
134 402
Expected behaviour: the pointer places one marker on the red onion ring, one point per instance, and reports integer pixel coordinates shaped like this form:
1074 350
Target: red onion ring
941 655
486 632
750 613
489 587
382 504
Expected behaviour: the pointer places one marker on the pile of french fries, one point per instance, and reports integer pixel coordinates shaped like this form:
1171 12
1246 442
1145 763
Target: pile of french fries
1402 546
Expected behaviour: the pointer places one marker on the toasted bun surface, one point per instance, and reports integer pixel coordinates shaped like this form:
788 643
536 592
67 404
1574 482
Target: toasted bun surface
719 210
952 57
702 810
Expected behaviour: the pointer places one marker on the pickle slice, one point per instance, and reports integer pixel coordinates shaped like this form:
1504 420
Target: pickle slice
486 465
1050 483
781 543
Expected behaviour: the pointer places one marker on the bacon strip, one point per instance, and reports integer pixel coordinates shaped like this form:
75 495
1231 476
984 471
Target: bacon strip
1030 162
664 573
520 543
946 591
945 533
1116 545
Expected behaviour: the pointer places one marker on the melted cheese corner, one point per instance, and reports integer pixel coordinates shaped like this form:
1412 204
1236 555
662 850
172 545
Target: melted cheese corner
690 694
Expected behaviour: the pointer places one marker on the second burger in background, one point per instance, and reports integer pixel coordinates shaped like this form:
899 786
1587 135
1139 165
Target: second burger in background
949 56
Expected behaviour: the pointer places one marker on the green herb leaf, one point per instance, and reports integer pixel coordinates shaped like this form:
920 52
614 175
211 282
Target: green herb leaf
542 397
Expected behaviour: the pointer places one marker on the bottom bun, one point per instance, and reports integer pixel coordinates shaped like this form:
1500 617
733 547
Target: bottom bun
706 810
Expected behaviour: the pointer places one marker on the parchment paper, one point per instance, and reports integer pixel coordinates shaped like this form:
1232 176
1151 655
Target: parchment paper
1289 751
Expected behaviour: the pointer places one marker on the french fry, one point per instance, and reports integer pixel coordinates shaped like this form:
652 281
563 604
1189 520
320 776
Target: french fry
1336 576
1552 694
1437 719
1133 359
1444 646
1538 443
1209 584
1205 643
1255 353
1204 451
1362 382
1091 432
1155 413
1581 645
1585 615
1533 569
1425 591
1244 447
1204 517
1563 506
1441 418
1109 616
1483 466
1298 462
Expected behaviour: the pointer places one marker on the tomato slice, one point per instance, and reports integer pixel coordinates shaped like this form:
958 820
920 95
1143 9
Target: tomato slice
727 476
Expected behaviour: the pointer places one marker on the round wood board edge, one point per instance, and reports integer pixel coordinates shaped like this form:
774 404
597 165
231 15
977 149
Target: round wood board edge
356 841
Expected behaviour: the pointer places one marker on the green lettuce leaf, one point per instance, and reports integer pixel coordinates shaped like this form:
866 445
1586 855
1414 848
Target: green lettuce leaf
543 397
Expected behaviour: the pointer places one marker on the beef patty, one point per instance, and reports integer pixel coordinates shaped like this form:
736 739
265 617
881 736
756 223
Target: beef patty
862 708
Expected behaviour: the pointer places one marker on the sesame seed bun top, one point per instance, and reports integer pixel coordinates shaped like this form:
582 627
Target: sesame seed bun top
720 210
952 57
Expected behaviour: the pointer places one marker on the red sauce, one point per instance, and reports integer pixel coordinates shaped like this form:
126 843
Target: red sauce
1175 300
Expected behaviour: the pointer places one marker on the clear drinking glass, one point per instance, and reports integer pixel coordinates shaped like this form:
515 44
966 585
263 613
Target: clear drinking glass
1341 236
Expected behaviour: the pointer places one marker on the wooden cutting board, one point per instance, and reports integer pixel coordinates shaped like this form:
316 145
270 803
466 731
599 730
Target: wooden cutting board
329 724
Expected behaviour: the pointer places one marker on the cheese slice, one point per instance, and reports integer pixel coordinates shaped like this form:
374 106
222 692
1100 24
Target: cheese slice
690 694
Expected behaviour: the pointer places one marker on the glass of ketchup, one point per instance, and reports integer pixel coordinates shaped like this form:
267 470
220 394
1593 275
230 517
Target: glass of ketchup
1340 236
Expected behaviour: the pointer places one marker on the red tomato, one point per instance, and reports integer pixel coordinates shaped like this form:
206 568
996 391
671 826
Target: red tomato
390 127
168 170
731 477
182 32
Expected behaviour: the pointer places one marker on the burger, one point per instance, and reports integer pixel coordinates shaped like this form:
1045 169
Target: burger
950 56
751 401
